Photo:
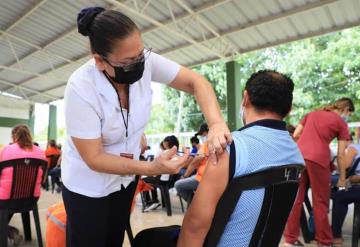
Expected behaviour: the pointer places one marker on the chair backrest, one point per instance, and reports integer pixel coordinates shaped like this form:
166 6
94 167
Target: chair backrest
53 160
172 179
25 175
150 157
280 184
352 169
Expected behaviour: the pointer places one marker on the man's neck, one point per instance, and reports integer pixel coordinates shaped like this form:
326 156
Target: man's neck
254 116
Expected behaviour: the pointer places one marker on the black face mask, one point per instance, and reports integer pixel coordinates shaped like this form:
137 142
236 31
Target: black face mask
130 75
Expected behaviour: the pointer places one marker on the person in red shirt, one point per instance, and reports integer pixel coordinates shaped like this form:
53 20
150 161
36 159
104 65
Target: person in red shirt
314 134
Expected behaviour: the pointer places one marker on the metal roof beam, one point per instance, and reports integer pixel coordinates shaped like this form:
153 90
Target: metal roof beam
281 15
50 89
207 25
64 35
28 90
39 48
283 41
26 72
204 7
264 20
27 14
163 26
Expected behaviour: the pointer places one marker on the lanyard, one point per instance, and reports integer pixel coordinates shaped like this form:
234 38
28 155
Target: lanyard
126 123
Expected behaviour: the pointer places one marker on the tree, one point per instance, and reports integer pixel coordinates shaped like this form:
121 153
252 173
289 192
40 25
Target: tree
323 69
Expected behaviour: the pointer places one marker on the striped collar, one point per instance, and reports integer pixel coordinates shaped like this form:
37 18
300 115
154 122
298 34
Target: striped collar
268 123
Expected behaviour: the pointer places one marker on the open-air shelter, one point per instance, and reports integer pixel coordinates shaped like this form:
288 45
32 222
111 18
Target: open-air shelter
40 46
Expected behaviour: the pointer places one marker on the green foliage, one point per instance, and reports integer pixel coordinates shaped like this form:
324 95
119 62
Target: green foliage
323 69
192 116
160 122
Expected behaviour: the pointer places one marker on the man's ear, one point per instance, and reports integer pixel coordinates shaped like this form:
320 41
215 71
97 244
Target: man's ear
99 61
287 114
245 98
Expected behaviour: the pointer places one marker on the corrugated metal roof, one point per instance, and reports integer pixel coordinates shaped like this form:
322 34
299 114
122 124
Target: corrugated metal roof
43 35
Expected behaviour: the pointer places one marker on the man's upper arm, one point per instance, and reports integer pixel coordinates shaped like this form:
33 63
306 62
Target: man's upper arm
349 156
202 209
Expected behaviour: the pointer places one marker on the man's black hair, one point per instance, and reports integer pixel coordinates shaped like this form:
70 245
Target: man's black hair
271 91
194 139
172 141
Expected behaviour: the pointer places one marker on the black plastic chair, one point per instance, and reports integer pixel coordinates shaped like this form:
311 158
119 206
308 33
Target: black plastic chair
22 198
164 187
304 222
128 225
356 225
281 186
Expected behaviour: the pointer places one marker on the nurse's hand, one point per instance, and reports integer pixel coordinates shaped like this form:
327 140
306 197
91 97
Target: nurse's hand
169 163
218 138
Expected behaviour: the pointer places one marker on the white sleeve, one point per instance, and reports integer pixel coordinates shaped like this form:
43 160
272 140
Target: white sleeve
81 119
163 70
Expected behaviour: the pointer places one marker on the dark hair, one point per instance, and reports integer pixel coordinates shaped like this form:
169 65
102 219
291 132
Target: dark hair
52 143
203 128
104 27
269 90
194 139
172 141
22 136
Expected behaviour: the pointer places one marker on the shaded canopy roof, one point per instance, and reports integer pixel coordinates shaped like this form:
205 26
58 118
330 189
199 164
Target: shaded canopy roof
40 46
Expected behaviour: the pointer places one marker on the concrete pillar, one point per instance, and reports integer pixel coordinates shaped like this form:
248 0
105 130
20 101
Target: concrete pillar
52 129
234 94
32 119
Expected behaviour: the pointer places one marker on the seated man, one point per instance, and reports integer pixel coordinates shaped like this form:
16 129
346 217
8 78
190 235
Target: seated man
261 144
189 182
343 198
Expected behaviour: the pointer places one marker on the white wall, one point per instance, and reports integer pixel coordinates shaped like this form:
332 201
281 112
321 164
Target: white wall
5 136
5 132
22 113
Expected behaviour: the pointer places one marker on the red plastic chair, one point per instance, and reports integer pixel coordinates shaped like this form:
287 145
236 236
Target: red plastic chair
22 199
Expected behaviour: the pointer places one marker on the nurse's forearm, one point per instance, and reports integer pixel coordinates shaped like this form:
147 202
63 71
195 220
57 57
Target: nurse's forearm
206 99
112 164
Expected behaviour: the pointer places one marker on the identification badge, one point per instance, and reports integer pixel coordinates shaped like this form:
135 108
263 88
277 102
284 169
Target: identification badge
127 155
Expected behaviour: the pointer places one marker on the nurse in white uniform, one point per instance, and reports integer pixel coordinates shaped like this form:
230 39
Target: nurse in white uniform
107 106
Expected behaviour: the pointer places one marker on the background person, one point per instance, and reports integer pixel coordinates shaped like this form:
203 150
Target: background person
22 147
107 105
342 198
169 142
52 153
188 184
314 134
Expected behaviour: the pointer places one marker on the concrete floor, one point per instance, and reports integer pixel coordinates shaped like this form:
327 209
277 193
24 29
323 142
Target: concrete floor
141 220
